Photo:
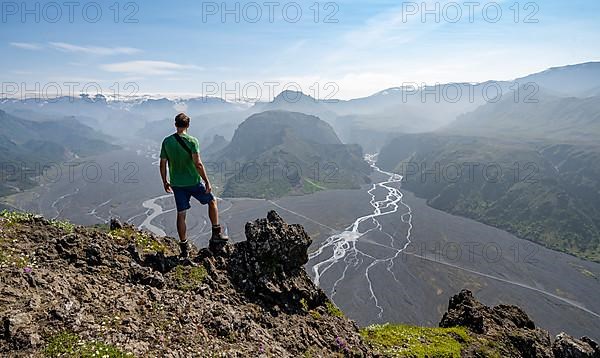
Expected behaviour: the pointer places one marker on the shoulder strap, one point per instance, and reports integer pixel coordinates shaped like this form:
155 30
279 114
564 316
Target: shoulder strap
182 143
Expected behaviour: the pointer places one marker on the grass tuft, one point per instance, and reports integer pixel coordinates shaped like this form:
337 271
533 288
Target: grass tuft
304 304
18 217
393 340
63 225
67 344
333 310
189 278
143 240
15 217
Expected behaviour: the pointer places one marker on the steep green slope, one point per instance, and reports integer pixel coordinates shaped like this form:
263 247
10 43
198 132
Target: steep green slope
546 193
27 146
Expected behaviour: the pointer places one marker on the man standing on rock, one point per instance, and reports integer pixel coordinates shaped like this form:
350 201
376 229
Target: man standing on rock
186 173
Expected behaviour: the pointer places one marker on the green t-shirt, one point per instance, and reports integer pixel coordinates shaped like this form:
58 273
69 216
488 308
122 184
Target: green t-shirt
182 171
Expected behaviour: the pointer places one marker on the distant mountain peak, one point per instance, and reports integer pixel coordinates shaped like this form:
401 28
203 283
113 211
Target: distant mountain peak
289 141
292 96
308 127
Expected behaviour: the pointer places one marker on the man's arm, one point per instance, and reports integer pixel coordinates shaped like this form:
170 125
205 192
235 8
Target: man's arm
200 168
163 175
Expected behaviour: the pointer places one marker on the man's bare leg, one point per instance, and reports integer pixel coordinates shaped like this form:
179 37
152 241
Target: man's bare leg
181 227
181 230
213 212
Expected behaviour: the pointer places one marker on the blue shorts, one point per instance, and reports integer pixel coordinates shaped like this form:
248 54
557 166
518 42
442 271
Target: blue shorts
184 193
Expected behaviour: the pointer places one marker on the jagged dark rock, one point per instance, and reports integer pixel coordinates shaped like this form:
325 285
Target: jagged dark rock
592 344
511 331
465 310
115 224
566 346
269 266
146 276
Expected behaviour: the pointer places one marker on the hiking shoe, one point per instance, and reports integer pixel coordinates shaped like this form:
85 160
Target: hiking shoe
217 234
184 250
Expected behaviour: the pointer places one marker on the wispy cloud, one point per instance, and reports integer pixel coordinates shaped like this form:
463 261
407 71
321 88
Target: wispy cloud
27 45
67 47
21 72
148 67
94 50
398 26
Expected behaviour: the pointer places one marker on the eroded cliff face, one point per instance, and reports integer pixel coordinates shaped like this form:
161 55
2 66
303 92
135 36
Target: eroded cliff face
125 291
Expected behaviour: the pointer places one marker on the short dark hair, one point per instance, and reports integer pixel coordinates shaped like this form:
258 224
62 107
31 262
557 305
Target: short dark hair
182 120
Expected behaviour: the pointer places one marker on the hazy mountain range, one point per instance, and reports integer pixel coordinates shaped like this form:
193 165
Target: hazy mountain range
549 120
410 108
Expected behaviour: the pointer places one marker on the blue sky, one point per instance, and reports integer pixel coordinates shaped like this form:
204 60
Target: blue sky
184 47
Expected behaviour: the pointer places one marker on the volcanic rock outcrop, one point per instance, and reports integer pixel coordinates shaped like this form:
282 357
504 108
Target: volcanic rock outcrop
76 289
508 331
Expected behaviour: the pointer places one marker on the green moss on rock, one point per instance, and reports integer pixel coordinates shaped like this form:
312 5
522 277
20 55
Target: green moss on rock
333 310
143 240
189 278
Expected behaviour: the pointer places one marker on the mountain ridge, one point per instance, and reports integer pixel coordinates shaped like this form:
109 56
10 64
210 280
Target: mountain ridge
548 118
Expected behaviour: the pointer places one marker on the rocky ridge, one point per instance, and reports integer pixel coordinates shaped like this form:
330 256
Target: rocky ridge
506 330
127 291
75 291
